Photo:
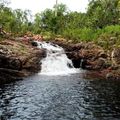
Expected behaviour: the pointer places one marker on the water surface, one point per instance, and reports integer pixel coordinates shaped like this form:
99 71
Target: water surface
69 97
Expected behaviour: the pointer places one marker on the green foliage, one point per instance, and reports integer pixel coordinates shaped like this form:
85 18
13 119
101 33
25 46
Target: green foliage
113 29
103 12
52 22
85 34
101 21
109 36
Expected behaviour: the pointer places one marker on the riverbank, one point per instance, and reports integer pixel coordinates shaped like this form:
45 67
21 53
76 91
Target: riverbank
18 59
93 57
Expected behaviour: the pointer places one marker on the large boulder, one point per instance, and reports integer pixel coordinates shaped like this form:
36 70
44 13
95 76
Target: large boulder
18 60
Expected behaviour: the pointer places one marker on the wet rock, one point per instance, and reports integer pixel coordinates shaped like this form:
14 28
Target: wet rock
113 76
84 51
110 76
32 63
93 57
10 62
18 60
83 63
34 43
8 76
76 63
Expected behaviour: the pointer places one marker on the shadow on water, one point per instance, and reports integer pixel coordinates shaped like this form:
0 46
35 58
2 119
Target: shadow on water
70 97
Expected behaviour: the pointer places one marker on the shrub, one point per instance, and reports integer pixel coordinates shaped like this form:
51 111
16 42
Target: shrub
88 34
112 29
85 34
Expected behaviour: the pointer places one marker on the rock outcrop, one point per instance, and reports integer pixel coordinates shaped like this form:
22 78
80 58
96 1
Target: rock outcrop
18 60
90 56
86 55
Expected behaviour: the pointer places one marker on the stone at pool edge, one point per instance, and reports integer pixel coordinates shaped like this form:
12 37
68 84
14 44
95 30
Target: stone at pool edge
30 61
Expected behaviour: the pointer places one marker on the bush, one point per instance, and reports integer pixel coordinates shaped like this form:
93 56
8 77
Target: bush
113 29
88 34
85 34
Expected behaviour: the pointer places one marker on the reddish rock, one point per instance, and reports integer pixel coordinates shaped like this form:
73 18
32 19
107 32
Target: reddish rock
90 52
18 60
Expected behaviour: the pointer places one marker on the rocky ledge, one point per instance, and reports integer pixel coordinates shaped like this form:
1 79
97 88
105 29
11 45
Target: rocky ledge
89 56
18 59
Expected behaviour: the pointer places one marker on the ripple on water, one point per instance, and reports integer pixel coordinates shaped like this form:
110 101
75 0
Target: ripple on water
60 98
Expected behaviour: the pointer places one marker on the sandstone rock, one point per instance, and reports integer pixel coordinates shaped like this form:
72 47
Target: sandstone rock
101 63
87 51
18 59
115 55
102 54
95 56
110 76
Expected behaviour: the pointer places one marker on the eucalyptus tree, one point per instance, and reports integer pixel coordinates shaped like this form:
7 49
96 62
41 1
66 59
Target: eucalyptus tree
37 24
61 18
21 20
102 13
51 22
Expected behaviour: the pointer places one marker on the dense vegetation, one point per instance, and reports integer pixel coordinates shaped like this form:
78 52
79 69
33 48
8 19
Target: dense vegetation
101 21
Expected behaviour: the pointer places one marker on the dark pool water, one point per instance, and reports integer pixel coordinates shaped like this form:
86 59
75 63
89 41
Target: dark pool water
60 98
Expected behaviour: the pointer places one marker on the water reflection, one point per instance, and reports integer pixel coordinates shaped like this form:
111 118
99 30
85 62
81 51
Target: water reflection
60 98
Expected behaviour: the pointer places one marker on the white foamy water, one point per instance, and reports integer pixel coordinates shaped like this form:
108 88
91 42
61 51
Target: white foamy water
56 61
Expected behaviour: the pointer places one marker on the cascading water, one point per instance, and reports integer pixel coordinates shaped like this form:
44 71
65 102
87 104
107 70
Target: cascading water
56 61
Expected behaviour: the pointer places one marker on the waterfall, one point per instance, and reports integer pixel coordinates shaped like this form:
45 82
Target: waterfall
56 61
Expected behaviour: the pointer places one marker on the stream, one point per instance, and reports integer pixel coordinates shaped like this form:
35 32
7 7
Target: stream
72 97
60 92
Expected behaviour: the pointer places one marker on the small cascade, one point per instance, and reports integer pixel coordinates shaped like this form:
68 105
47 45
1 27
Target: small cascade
56 61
